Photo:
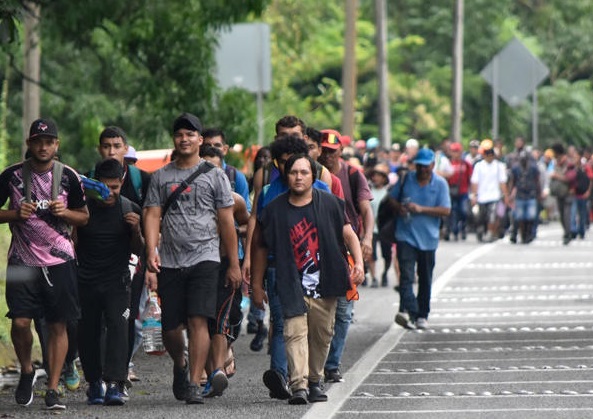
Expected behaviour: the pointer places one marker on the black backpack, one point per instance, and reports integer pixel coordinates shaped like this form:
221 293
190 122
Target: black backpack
582 182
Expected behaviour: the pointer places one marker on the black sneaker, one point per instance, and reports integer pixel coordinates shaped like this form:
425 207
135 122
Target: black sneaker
333 376
257 344
384 281
298 397
52 401
24 390
251 328
276 383
316 393
181 381
193 394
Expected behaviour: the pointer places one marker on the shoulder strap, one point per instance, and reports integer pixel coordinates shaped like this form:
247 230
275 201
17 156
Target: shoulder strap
136 178
205 167
126 205
231 173
353 180
401 189
57 171
319 168
266 174
27 180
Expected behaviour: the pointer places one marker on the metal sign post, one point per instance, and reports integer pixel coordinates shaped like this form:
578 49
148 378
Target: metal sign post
243 60
514 73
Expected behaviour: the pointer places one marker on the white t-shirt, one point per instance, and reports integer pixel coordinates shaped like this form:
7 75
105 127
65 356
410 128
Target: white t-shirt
488 177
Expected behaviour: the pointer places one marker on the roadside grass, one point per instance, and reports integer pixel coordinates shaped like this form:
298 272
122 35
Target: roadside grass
7 355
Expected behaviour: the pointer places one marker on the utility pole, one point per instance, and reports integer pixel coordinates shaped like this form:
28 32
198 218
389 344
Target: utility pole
382 73
349 69
31 67
457 88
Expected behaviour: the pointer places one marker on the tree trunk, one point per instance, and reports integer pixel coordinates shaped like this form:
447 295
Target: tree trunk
382 73
31 67
349 69
457 90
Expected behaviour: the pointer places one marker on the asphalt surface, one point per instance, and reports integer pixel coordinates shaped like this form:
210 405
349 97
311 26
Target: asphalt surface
511 337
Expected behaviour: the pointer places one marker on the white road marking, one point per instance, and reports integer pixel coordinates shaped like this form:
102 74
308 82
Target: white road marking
339 393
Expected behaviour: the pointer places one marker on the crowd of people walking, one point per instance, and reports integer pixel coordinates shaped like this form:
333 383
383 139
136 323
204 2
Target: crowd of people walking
298 235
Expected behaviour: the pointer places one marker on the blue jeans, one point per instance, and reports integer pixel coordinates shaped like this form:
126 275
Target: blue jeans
343 320
409 257
277 351
255 314
458 217
525 209
579 214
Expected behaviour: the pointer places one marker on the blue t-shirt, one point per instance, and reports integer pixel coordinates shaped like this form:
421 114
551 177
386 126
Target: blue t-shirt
420 230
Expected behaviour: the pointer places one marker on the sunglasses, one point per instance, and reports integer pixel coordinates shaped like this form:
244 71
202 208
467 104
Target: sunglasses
330 138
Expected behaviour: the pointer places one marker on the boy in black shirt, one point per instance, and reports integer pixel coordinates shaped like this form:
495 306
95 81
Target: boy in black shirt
103 247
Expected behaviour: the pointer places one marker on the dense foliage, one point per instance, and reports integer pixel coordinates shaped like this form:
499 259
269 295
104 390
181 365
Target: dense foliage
137 64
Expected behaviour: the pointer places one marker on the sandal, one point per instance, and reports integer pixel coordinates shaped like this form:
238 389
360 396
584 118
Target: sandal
230 365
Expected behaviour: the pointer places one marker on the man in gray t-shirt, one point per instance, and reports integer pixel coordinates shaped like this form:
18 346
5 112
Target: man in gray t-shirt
187 259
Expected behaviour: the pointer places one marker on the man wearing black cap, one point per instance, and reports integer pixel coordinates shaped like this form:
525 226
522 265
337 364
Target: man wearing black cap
188 258
41 273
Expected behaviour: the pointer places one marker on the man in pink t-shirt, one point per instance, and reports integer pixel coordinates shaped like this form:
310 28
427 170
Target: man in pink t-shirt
41 272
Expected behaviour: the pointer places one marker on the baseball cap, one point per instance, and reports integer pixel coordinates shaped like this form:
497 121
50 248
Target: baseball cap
455 147
346 140
474 143
487 144
43 127
412 143
360 144
395 147
187 121
372 143
131 154
330 139
424 157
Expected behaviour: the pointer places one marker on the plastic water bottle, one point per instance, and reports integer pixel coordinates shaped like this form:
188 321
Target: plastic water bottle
152 328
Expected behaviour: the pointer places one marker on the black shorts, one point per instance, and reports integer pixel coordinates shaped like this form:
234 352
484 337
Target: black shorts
228 308
187 292
49 292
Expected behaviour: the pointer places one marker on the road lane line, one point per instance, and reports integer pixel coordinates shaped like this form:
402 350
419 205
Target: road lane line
353 378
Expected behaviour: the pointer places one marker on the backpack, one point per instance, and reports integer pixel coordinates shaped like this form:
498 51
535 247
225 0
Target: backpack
231 173
582 183
57 171
353 179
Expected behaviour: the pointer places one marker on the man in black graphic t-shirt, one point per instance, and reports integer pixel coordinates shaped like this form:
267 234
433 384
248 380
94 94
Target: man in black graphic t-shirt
313 274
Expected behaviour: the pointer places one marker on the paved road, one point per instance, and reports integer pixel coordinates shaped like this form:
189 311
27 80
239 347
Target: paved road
511 337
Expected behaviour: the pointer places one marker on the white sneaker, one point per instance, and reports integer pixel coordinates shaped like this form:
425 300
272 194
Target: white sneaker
421 323
403 319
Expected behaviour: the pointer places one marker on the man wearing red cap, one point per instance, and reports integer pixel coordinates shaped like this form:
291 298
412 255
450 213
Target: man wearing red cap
459 183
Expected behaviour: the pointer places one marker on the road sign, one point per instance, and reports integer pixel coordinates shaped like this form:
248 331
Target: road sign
515 72
243 58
